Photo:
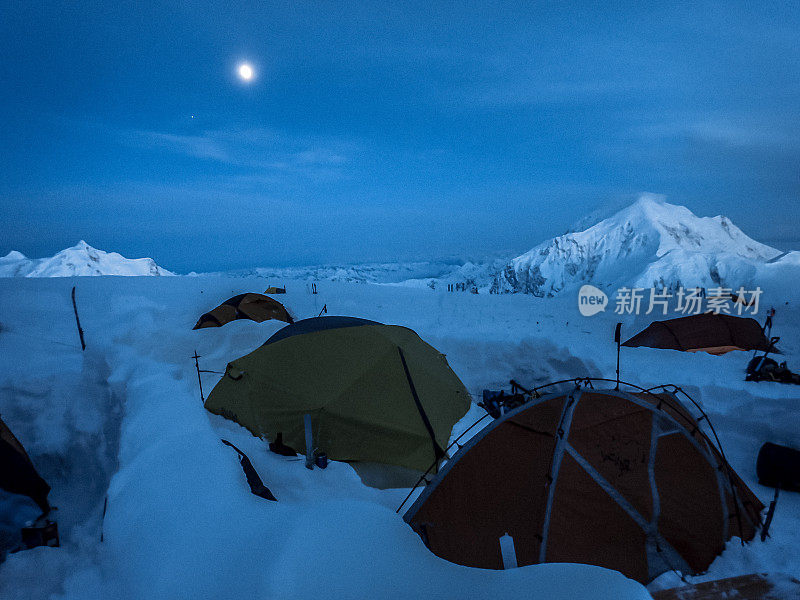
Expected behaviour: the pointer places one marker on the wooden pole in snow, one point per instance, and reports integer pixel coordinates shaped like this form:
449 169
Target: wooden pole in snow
199 380
618 339
77 320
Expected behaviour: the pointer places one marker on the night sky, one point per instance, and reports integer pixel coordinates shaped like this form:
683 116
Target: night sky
386 131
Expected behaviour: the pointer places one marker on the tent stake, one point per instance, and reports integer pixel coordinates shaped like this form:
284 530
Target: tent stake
77 320
508 552
199 380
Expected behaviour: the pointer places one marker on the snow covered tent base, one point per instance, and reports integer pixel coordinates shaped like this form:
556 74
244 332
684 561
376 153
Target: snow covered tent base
620 480
385 477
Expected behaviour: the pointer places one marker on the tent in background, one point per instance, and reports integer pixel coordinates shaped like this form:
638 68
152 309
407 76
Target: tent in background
17 473
19 527
374 392
706 332
275 290
255 307
618 480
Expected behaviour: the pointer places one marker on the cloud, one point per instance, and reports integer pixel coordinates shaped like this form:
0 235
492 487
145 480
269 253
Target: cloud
531 88
732 132
191 145
260 150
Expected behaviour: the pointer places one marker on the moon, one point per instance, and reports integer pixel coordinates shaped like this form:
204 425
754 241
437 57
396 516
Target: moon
246 72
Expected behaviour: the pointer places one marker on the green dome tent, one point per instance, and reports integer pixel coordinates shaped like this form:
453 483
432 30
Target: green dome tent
374 392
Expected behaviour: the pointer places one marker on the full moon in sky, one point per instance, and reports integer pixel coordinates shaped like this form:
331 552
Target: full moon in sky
246 72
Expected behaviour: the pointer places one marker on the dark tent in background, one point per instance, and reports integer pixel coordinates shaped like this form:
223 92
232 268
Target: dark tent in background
706 332
17 473
275 290
375 393
618 480
255 307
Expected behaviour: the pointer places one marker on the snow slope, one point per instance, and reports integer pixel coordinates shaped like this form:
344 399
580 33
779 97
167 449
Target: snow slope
181 522
80 260
648 244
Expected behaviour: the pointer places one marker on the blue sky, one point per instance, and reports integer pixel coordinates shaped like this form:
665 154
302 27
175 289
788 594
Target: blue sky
378 131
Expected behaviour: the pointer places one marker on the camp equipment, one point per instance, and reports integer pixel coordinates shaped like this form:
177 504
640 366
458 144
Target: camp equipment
777 467
255 307
762 368
706 332
498 403
372 392
275 290
321 460
43 532
623 480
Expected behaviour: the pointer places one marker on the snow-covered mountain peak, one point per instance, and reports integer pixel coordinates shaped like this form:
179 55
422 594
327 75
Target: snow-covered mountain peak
12 256
649 243
77 261
677 227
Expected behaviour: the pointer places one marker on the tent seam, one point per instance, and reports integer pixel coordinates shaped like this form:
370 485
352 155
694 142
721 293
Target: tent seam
558 453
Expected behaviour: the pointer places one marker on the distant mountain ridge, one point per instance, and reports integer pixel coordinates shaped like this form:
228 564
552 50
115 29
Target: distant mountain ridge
648 244
79 261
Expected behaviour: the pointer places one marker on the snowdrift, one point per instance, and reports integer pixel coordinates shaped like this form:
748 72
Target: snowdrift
124 420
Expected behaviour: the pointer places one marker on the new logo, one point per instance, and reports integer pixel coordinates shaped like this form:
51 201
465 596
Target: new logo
591 300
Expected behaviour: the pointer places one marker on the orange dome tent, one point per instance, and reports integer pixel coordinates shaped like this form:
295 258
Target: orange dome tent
255 307
625 481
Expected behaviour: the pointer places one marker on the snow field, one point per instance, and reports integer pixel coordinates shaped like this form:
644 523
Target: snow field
181 522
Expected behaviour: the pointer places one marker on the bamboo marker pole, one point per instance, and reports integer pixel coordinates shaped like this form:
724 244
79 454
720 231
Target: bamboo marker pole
77 320
199 380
